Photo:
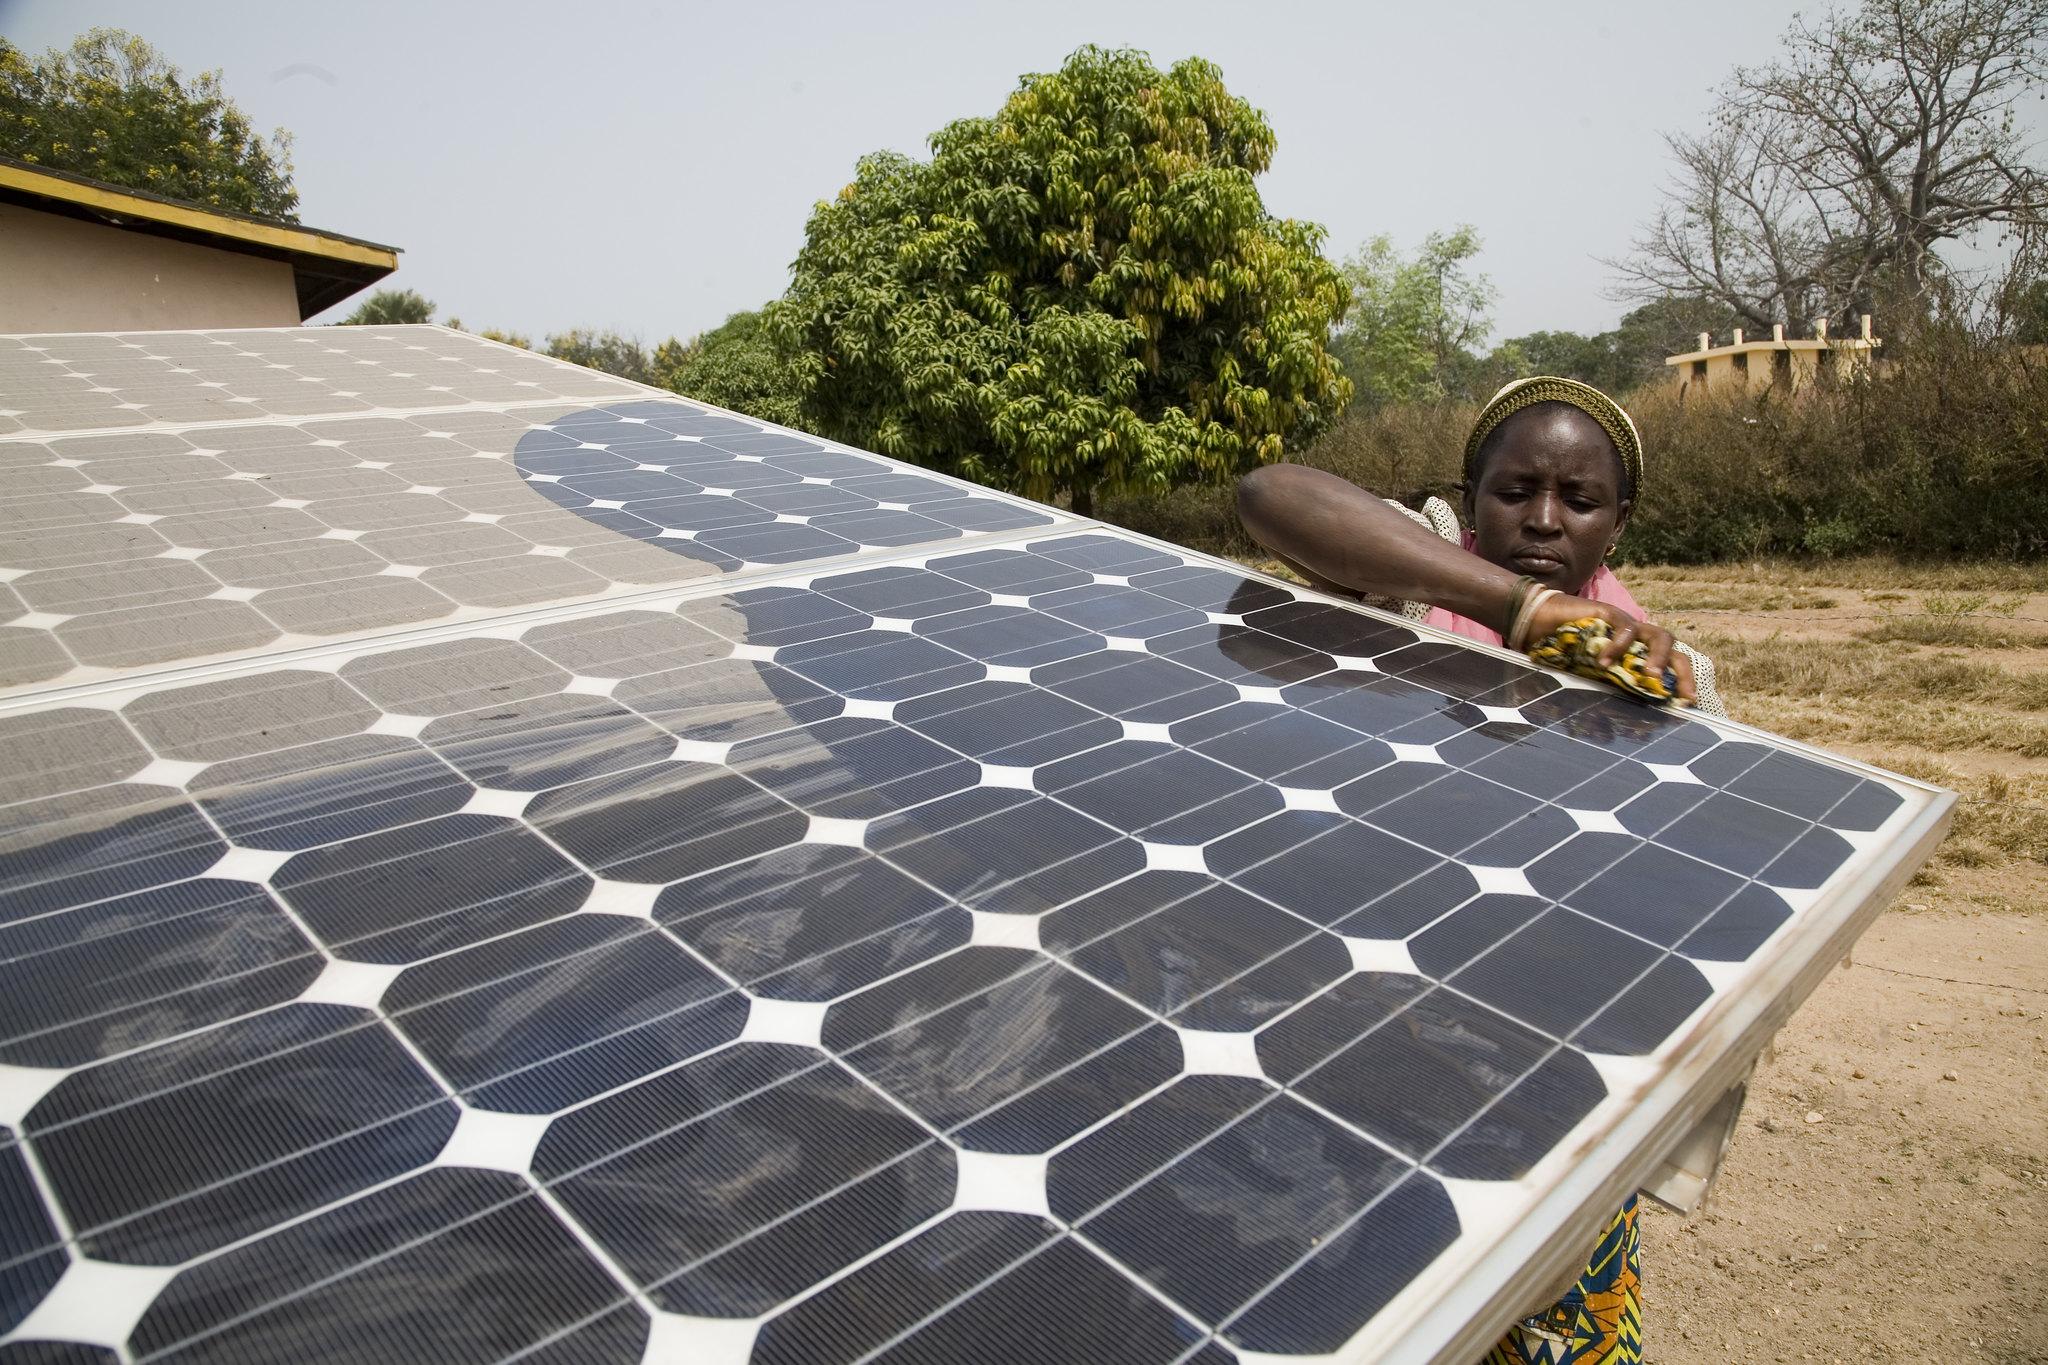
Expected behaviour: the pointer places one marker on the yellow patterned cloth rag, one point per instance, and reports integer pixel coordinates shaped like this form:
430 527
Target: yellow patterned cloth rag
1575 646
1600 1322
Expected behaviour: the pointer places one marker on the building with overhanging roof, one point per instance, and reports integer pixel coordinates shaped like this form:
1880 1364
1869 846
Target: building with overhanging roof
1781 362
79 255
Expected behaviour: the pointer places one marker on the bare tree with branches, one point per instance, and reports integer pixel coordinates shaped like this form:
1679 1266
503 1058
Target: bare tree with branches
1830 177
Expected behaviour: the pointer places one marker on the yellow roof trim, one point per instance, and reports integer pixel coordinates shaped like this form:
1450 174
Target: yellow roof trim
1855 343
274 235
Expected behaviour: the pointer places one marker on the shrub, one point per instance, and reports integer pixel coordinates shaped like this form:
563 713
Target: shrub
1406 451
1940 454
1943 454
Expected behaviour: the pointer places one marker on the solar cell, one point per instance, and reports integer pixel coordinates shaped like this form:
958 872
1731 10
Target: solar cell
1050 947
324 484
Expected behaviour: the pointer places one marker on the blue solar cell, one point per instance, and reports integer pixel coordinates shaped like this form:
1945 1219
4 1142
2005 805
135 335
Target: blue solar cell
729 494
540 1020
112 976
165 1154
325 1287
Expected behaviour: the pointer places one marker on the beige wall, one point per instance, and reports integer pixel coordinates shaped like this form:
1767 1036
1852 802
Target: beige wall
59 274
1723 376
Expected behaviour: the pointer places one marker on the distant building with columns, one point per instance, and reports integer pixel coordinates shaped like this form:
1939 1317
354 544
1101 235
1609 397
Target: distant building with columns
1781 362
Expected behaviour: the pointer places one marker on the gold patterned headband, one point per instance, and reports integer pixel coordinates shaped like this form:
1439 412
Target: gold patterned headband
1526 393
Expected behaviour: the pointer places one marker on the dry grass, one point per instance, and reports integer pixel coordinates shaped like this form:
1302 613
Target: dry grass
1273 567
1943 729
1943 715
1872 574
1961 622
1953 633
2001 818
1855 672
1837 692
1664 597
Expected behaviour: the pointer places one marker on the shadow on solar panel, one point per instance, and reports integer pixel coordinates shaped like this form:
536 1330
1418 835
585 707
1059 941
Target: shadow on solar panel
831 914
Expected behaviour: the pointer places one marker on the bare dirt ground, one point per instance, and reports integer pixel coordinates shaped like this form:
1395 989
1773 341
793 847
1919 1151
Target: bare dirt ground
1910 1221
1887 1194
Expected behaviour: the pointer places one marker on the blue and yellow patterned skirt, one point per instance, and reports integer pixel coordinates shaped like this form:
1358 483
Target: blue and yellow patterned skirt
1600 1321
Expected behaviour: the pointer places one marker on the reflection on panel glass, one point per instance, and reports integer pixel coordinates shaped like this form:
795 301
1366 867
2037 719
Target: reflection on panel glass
182 496
862 963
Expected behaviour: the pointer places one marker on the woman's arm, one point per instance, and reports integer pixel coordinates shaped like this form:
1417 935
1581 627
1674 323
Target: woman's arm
1338 536
1342 538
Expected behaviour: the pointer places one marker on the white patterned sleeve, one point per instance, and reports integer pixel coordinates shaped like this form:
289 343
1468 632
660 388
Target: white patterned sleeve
1707 696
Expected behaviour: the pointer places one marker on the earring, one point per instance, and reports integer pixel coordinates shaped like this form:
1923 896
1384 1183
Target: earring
1611 549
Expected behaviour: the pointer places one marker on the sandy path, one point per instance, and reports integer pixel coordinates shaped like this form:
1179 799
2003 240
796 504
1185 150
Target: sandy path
1911 1222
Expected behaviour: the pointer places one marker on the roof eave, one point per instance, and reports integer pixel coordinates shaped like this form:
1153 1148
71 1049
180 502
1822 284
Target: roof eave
1789 344
326 267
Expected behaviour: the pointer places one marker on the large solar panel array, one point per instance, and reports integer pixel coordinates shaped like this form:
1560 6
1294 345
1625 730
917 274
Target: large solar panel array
176 496
949 932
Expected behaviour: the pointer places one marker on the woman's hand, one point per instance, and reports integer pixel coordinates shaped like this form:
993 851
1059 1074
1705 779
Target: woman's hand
1622 629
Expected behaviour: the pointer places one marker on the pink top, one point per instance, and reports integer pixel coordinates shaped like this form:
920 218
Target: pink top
1604 587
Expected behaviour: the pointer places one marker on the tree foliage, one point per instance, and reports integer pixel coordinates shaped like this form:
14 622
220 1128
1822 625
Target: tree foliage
1665 327
1572 355
629 358
735 365
1414 320
738 365
387 307
1081 293
603 350
112 108
1417 322
2023 312
1624 357
1831 177
670 357
505 335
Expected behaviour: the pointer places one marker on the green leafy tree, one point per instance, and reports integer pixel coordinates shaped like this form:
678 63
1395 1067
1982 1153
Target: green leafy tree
1588 359
1665 327
737 365
669 357
1574 355
519 339
1415 320
2023 310
112 108
390 306
606 351
1623 358
1082 294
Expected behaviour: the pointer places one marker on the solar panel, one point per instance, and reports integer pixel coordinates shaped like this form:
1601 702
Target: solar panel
1034 943
179 496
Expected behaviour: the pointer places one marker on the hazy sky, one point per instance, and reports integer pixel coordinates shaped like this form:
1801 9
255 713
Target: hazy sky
650 167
